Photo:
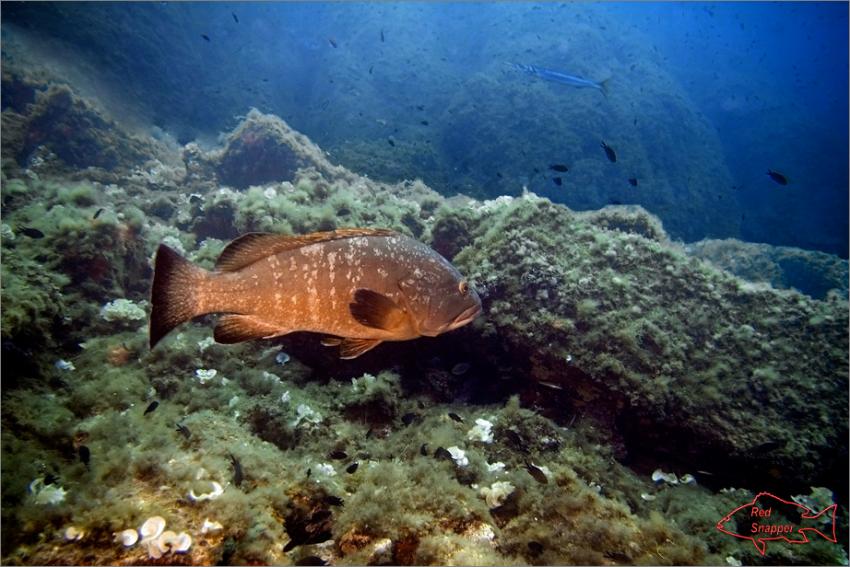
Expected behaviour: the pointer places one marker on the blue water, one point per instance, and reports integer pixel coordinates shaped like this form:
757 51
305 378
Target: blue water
704 98
601 361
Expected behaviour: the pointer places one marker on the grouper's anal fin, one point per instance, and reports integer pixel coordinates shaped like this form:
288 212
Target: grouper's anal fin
231 329
255 246
352 348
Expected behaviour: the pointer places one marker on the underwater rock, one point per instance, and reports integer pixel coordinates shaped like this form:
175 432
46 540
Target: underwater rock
123 311
46 494
264 148
677 358
74 131
632 219
811 272
482 431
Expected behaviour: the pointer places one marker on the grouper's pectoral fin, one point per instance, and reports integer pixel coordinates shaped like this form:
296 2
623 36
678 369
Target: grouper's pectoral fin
378 311
352 348
238 328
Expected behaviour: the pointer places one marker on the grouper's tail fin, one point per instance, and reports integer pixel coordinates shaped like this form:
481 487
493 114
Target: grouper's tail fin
174 292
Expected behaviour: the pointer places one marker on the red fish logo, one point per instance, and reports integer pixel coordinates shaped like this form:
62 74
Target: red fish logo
769 518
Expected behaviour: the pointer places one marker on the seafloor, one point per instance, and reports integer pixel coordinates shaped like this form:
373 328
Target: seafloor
605 352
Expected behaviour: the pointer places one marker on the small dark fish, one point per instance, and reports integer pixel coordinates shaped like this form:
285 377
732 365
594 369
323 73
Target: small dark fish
343 212
558 181
205 36
193 198
183 430
310 560
559 167
423 450
420 107
50 478
235 19
609 151
382 36
338 455
778 177
409 418
441 453
332 42
461 368
85 455
455 417
615 202
332 500
32 232
97 213
391 142
152 406
633 181
369 433
308 472
370 68
535 472
423 122
352 468
237 470
536 548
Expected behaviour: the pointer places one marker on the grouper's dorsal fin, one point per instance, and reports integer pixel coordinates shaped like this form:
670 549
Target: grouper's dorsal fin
254 246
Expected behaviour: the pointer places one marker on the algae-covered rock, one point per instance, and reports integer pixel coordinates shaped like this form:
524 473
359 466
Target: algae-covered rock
69 127
677 358
811 272
264 148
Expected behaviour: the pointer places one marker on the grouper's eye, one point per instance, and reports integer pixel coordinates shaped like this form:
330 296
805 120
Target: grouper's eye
463 288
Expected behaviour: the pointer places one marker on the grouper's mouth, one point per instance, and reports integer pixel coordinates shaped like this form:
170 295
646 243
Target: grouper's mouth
466 316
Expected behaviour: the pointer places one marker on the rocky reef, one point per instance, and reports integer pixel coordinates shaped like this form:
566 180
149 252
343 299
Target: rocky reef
606 352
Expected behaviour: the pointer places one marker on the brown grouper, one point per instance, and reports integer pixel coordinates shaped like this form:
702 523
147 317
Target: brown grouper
357 286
